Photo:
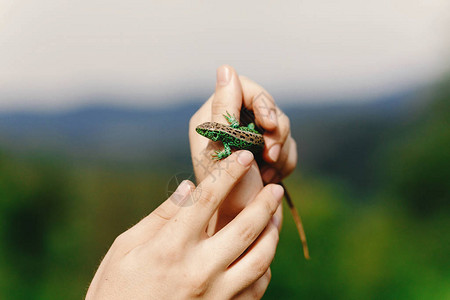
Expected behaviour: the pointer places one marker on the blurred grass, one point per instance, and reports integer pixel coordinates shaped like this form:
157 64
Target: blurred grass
391 241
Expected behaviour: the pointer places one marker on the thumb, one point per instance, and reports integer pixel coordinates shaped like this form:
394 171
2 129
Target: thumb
228 94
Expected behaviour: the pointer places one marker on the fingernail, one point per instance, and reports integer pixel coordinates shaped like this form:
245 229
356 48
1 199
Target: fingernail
223 75
273 116
180 194
268 175
277 191
245 157
274 152
184 187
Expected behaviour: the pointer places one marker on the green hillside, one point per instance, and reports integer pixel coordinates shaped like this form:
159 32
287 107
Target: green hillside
374 198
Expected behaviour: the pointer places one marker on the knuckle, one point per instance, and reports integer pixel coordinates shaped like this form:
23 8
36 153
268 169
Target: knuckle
255 291
261 288
205 197
260 265
258 290
268 206
264 96
248 233
263 106
291 159
162 212
121 240
233 173
219 105
285 126
198 284
220 102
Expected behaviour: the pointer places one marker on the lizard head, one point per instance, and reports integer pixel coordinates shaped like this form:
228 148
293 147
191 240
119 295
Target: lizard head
209 130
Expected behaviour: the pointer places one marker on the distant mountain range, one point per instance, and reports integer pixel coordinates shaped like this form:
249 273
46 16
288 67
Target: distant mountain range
330 137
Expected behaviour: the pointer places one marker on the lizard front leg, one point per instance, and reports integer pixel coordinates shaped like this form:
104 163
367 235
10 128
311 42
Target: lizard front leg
222 154
234 123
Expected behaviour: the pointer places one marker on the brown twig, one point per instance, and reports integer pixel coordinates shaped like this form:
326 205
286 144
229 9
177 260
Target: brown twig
298 221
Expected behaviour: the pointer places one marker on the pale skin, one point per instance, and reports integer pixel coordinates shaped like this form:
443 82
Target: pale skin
280 151
221 246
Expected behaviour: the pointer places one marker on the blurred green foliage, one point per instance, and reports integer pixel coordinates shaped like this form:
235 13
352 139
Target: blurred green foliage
390 242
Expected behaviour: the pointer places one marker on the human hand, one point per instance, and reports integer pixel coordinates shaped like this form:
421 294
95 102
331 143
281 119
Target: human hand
280 151
232 92
169 255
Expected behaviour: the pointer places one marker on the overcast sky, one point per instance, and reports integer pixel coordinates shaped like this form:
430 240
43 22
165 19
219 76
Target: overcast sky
57 53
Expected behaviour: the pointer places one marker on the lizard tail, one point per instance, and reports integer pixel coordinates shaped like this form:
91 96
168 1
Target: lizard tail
298 221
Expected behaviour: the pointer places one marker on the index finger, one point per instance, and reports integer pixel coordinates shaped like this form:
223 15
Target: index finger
227 96
210 193
258 100
268 116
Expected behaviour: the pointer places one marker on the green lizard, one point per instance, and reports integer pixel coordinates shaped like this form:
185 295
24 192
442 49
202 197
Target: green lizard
245 138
